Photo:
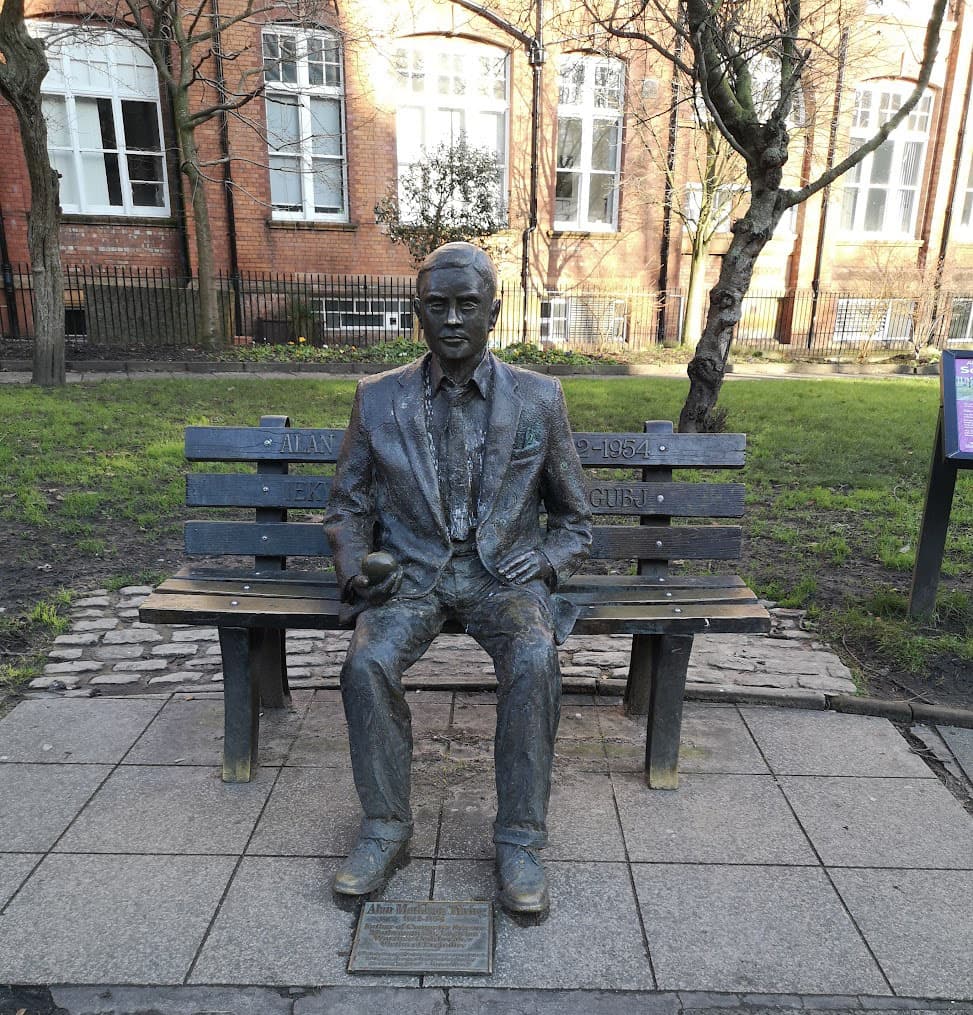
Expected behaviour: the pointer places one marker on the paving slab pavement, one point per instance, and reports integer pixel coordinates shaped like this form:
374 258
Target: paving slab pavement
808 860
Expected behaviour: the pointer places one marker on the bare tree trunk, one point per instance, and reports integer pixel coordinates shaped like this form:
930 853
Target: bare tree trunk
695 295
23 66
209 324
706 369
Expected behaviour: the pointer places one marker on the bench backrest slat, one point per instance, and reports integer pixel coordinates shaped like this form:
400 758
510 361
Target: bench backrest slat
684 500
270 539
257 444
243 489
622 450
311 492
667 542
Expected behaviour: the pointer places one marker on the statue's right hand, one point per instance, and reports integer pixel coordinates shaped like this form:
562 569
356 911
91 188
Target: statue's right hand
376 592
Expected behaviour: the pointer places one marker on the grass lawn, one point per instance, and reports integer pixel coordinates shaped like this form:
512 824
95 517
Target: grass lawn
93 495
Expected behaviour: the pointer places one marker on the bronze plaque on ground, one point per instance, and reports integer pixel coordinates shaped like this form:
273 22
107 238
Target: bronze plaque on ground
423 937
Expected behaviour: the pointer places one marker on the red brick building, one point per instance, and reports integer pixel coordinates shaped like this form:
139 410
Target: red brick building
293 180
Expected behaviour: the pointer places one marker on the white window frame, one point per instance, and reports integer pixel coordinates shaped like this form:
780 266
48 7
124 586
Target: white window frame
365 315
447 87
960 335
583 107
964 197
303 91
875 103
64 52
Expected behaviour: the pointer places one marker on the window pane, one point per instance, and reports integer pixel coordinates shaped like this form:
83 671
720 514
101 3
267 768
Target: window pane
875 211
89 67
907 201
56 116
570 83
288 59
271 58
148 195
601 198
328 188
566 192
63 163
94 115
95 179
568 143
911 161
285 182
144 168
409 134
849 202
325 127
882 163
967 217
608 86
487 131
141 124
283 123
604 146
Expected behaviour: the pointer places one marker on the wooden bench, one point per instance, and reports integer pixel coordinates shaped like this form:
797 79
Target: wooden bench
254 607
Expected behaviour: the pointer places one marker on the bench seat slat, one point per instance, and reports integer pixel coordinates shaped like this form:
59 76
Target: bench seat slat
293 590
682 500
238 489
263 611
667 542
578 581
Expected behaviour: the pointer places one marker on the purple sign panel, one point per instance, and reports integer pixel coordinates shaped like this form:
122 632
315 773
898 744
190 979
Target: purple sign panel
964 405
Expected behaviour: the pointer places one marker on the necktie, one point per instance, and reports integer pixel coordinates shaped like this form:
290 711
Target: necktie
459 480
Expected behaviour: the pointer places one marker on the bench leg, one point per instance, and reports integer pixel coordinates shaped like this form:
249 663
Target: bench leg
269 656
241 704
638 689
670 664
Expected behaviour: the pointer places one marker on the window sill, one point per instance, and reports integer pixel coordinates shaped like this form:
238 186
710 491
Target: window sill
299 224
857 239
125 221
580 234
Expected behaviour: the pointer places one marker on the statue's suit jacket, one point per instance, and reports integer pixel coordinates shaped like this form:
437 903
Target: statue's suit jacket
386 491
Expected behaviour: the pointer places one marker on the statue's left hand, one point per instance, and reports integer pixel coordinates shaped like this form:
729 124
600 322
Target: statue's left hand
524 567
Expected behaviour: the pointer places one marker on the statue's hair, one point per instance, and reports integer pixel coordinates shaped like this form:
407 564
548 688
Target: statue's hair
460 255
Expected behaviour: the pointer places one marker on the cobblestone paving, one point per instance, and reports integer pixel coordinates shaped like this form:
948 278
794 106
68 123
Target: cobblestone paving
108 648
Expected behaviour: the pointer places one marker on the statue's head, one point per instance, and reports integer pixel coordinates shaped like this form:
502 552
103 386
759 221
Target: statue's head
456 301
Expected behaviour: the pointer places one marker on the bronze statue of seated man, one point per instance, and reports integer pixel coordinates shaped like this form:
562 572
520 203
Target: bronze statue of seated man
445 469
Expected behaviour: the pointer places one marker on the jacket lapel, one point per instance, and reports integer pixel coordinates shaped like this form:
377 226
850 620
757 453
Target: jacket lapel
504 419
410 414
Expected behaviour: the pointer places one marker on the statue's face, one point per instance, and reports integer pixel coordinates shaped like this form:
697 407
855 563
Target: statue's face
458 311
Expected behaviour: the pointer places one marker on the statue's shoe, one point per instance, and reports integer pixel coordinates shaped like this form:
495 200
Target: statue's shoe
523 882
369 865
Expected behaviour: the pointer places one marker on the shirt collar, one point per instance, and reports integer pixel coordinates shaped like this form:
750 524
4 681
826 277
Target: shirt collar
482 375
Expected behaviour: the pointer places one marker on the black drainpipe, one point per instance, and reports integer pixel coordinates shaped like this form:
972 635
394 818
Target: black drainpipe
217 51
536 56
9 291
666 237
826 196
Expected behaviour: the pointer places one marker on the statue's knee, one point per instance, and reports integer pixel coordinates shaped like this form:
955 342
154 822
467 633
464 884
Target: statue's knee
363 668
536 652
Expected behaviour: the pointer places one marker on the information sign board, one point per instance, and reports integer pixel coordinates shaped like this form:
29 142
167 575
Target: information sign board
957 386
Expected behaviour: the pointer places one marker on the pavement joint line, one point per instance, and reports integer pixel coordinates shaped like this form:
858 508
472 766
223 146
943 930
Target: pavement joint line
229 881
820 859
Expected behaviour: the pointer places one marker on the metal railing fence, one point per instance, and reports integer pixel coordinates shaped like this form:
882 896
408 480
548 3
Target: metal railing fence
156 309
